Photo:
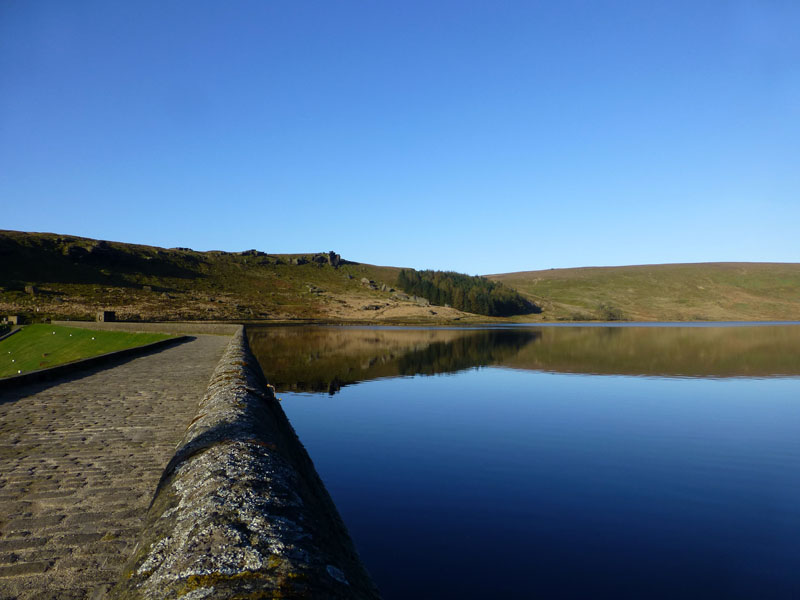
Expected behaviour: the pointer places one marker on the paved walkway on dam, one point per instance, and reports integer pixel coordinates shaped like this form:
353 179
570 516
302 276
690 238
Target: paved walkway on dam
80 458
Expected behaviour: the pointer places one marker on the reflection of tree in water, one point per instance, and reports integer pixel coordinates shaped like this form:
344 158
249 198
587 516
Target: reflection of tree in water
477 350
326 359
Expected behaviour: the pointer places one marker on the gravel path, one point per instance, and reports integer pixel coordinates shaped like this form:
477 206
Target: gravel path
80 459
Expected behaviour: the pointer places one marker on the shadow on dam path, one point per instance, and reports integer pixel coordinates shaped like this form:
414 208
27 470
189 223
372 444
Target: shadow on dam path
80 458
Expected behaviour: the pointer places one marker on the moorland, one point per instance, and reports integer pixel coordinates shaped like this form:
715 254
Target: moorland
58 276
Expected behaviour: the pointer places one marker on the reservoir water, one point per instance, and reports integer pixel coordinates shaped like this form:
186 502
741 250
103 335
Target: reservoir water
555 462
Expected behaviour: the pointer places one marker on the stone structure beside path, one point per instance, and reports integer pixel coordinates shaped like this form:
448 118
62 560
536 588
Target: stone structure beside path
97 501
240 511
80 458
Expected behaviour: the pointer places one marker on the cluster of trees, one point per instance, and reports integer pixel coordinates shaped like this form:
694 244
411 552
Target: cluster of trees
465 292
477 349
611 313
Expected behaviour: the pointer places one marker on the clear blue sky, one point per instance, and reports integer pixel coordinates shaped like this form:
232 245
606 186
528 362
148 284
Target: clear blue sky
482 137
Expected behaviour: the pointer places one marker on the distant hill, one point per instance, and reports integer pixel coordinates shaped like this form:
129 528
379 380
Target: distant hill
63 276
47 275
674 292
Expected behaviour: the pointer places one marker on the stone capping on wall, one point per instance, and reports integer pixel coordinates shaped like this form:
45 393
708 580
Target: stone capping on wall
175 327
240 511
10 333
61 370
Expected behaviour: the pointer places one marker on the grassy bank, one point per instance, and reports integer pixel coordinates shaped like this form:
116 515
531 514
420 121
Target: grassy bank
48 275
679 292
66 277
42 346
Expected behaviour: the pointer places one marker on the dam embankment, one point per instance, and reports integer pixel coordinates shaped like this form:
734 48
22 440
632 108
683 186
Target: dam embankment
176 327
80 457
240 510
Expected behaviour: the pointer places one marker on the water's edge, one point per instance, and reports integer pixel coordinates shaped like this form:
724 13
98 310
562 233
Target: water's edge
240 509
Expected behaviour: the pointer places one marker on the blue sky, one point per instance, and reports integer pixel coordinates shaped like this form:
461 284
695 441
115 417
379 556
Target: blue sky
481 137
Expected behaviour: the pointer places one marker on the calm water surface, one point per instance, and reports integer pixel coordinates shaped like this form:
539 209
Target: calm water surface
555 462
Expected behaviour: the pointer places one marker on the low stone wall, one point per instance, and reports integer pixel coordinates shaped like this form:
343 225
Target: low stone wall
8 334
85 363
185 328
240 511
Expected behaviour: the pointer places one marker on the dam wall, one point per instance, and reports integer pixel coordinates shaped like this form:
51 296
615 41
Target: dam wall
80 456
240 511
172 327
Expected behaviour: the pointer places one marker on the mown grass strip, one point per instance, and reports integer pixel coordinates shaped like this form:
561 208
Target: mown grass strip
42 346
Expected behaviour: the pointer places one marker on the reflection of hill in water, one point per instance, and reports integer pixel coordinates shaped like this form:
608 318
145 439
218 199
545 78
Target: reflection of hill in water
758 351
322 359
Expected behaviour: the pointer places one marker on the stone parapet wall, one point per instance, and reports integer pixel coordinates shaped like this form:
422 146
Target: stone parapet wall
240 511
67 368
165 327
80 457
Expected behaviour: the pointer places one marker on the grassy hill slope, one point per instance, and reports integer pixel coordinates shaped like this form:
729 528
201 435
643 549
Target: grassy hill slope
676 292
50 275
74 277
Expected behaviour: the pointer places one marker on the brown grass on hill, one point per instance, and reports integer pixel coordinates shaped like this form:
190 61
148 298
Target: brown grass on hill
675 292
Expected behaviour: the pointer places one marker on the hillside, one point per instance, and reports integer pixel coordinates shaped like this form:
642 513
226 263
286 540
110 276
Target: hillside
60 276
676 292
45 275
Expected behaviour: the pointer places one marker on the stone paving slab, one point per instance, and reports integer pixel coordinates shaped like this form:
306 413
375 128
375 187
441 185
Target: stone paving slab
80 459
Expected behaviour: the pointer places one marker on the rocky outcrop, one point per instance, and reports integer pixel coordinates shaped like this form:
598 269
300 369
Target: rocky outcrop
406 298
240 511
329 258
420 300
334 259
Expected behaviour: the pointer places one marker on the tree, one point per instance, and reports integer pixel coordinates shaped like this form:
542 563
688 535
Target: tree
465 292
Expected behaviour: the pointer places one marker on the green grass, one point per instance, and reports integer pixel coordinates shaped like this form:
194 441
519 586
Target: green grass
42 346
76 277
677 292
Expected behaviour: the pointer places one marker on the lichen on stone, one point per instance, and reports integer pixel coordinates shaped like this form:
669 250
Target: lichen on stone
240 511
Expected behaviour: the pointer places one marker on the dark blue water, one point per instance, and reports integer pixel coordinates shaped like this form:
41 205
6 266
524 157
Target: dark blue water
495 482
